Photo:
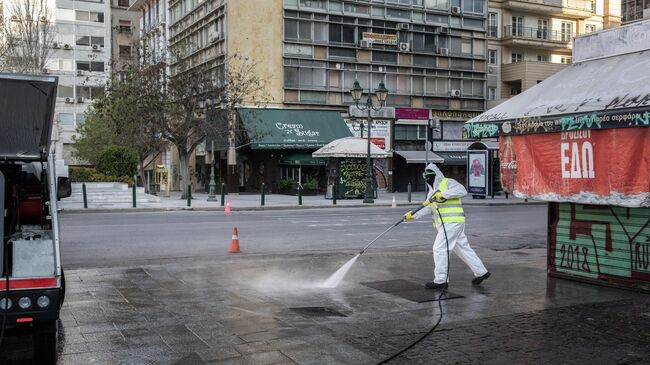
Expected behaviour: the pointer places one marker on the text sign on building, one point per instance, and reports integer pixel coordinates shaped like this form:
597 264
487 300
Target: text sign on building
453 114
445 146
379 132
378 38
412 113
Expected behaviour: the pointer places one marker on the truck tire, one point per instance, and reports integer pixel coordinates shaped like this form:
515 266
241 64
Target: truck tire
44 342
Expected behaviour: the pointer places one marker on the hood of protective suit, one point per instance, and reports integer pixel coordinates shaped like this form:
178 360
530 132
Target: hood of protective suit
438 179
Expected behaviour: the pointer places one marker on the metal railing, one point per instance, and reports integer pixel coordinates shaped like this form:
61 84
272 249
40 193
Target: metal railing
492 31
542 34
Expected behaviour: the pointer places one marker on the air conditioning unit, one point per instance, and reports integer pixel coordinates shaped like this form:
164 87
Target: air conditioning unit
216 35
80 73
68 100
338 66
455 9
403 26
443 51
444 30
80 100
455 93
56 45
404 47
67 46
46 71
95 48
365 44
491 70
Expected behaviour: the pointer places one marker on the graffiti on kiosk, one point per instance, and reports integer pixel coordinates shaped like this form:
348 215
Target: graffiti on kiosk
572 122
481 130
601 242
531 125
296 129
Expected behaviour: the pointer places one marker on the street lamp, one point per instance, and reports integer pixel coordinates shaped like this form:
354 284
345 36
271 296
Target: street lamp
209 106
381 93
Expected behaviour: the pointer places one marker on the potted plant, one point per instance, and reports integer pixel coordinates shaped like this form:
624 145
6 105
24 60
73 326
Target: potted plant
310 187
286 186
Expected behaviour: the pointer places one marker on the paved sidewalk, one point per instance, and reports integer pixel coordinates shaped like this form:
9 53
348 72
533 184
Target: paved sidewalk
275 201
242 310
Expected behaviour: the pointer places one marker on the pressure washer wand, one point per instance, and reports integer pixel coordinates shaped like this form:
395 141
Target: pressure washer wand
389 228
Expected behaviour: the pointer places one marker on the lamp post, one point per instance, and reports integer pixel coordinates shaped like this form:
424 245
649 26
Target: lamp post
381 93
209 106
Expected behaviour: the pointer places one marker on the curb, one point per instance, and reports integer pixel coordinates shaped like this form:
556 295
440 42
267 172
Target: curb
284 207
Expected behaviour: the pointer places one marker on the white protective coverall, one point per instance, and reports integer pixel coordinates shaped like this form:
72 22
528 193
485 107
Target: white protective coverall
455 231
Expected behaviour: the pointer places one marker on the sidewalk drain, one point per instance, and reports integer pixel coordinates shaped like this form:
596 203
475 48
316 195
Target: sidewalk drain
409 290
317 312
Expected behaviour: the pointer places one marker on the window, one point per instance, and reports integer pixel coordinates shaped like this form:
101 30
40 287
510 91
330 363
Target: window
473 6
342 53
89 92
89 16
124 26
590 28
466 46
81 118
493 24
518 26
384 57
517 57
542 29
90 66
565 59
567 31
123 3
492 93
125 51
436 4
492 56
65 91
340 33
317 4
409 132
542 58
83 40
424 42
66 118
515 90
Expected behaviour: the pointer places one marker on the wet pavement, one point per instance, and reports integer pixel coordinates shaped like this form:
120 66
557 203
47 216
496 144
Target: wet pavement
251 310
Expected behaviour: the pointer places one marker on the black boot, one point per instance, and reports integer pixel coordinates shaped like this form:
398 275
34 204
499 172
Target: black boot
436 286
478 280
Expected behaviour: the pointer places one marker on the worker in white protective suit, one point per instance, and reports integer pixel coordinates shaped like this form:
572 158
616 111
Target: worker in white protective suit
446 194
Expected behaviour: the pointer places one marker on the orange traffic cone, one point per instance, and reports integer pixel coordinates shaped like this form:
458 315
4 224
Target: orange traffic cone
234 245
227 206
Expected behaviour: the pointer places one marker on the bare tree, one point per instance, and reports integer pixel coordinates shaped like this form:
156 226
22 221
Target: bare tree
26 34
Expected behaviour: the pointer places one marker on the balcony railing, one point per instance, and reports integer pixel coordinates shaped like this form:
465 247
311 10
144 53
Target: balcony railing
492 31
541 34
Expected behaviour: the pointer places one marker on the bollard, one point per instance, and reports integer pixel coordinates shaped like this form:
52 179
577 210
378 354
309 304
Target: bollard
223 193
299 195
134 201
334 194
409 192
83 190
262 197
189 195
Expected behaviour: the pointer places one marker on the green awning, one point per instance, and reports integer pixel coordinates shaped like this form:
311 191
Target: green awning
304 159
454 158
292 128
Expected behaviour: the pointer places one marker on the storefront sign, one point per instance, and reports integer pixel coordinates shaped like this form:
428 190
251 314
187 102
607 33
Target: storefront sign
385 112
379 38
379 133
453 114
412 113
560 123
296 129
609 167
477 172
444 146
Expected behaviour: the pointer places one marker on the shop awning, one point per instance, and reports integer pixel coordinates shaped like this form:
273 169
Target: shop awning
292 128
302 159
599 93
454 158
420 157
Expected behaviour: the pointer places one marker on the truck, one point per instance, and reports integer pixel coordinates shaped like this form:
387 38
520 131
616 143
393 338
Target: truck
32 282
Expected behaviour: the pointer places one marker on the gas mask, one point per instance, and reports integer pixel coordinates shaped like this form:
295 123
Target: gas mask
429 176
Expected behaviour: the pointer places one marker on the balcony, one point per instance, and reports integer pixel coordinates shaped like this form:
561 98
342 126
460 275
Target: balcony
529 72
575 9
537 38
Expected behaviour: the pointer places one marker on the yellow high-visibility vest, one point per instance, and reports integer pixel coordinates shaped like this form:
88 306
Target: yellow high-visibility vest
451 210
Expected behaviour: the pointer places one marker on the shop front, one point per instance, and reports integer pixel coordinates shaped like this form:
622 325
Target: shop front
280 143
580 140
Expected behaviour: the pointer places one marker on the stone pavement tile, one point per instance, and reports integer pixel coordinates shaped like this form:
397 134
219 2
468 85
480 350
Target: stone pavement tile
218 353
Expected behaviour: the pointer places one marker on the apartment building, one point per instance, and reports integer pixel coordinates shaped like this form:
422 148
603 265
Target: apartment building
634 10
124 34
431 55
529 40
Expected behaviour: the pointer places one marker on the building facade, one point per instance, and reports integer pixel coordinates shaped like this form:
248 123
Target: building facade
431 55
529 40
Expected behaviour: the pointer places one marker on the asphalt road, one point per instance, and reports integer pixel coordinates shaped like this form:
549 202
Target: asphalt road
122 239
